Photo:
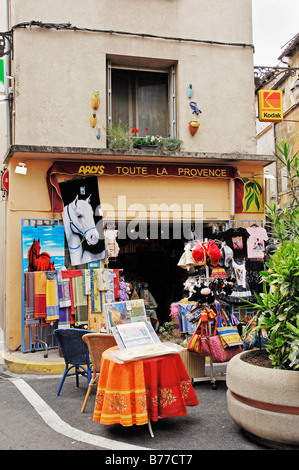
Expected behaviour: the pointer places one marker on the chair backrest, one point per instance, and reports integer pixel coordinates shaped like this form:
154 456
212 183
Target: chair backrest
98 343
74 350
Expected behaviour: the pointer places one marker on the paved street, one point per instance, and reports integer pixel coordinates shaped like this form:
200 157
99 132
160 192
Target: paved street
34 418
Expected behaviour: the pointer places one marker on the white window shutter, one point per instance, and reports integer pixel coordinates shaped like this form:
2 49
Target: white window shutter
172 101
109 95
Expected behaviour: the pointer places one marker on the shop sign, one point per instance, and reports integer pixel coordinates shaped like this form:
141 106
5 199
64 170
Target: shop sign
181 171
132 170
270 105
4 180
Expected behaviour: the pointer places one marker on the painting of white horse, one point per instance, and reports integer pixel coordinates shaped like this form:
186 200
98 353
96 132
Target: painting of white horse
81 233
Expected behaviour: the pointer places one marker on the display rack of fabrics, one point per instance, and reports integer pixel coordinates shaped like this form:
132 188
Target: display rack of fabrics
56 297
70 297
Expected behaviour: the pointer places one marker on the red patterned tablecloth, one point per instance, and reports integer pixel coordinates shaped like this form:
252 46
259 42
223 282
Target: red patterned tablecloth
134 392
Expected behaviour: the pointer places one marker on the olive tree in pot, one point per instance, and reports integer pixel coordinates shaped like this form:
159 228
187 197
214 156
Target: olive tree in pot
264 401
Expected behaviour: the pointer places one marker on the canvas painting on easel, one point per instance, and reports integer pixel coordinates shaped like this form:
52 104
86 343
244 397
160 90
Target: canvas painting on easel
82 220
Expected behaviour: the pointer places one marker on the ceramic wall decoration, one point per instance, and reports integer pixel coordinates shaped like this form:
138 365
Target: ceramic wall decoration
193 127
93 120
194 107
95 100
189 90
95 103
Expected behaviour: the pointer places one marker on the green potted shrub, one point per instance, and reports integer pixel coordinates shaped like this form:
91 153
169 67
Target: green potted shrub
171 144
119 137
263 385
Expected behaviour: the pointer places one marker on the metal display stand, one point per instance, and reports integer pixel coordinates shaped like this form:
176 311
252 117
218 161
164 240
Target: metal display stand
211 377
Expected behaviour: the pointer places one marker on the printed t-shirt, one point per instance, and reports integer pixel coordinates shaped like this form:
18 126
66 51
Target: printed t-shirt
256 242
236 239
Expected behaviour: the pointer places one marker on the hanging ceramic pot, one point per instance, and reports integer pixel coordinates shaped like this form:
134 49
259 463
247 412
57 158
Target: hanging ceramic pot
193 127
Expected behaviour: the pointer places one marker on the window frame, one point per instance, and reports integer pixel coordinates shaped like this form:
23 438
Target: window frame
171 71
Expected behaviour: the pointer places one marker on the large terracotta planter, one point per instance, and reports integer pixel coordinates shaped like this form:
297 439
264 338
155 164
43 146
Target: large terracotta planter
264 402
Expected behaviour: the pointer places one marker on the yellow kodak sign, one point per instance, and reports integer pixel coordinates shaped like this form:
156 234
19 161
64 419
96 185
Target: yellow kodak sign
270 105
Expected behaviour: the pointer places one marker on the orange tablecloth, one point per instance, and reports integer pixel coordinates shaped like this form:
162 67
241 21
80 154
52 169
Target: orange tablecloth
134 392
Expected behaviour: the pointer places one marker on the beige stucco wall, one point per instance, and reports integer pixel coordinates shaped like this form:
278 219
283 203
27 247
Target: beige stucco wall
57 71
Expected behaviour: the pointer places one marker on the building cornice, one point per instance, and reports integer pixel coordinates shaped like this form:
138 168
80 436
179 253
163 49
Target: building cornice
32 152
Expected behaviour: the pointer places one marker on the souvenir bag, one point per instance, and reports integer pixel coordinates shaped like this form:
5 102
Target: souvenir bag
199 342
228 333
218 352
193 314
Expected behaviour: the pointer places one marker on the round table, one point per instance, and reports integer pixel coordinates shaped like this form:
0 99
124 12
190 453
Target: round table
138 391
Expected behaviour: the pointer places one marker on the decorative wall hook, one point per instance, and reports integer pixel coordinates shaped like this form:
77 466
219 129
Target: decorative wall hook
193 127
193 105
95 100
189 90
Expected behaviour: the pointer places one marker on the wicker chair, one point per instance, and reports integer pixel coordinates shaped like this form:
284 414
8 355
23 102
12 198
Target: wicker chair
75 354
97 343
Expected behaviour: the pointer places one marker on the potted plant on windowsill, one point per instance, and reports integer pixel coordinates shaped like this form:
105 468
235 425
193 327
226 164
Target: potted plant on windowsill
119 137
148 142
171 144
263 386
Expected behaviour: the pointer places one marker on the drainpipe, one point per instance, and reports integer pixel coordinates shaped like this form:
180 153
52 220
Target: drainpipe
7 79
8 143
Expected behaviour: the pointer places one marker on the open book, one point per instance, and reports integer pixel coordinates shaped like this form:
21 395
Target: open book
138 341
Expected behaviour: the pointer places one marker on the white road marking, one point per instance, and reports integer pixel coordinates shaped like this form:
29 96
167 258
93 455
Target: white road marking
58 425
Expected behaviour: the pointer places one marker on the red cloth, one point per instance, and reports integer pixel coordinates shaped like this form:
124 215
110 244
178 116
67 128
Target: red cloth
116 283
168 387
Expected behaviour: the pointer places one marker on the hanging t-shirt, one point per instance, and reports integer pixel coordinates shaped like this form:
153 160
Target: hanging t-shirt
240 272
256 242
236 239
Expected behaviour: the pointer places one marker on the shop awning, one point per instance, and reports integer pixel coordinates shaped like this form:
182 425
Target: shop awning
141 170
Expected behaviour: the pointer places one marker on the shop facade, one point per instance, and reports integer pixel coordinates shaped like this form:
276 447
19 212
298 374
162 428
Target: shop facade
156 205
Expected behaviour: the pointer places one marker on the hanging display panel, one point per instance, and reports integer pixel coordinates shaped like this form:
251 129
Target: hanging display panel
43 247
82 220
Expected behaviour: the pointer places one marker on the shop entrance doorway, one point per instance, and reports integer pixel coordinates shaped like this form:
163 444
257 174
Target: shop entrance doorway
153 262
